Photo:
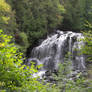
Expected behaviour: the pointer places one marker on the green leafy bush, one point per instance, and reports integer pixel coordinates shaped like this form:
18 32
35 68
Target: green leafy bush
66 82
21 40
87 49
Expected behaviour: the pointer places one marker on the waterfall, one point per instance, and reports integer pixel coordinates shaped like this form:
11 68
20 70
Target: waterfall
52 51
70 48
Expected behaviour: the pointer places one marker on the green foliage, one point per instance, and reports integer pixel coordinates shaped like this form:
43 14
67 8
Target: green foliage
88 40
7 18
75 14
4 9
14 76
88 10
24 39
37 17
21 40
66 82
87 48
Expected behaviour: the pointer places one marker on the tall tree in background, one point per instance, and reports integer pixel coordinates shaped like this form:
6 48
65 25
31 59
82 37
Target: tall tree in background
75 14
7 19
36 17
88 10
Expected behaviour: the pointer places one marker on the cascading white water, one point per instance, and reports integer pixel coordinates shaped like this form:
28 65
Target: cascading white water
78 58
53 50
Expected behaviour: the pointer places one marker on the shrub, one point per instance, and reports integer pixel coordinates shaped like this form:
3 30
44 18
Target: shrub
69 82
21 40
87 49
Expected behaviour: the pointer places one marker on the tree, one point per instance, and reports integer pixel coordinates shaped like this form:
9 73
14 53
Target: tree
36 17
88 10
75 14
7 19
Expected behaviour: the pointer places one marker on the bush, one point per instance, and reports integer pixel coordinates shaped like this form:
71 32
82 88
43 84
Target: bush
68 81
87 49
21 40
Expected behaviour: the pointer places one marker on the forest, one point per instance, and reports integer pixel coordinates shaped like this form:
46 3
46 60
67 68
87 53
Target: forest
28 29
